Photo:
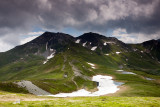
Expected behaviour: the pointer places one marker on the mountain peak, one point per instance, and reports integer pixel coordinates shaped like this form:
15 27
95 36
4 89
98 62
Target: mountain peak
51 36
54 34
91 34
47 32
153 41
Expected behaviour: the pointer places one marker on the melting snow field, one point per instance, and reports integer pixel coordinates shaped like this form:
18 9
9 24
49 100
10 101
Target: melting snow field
105 86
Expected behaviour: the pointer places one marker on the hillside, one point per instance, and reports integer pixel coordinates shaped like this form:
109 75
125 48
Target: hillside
58 62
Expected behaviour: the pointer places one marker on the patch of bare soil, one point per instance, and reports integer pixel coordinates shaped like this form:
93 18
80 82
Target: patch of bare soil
14 97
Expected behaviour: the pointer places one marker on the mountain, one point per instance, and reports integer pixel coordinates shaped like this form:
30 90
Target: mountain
153 47
102 43
58 62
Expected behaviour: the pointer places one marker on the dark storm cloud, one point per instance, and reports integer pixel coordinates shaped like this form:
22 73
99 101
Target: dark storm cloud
148 25
15 13
85 15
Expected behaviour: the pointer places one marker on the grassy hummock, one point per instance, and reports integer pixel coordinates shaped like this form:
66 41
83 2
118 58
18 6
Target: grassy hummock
88 102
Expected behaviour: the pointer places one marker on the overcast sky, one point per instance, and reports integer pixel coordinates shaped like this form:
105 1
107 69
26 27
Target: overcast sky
132 21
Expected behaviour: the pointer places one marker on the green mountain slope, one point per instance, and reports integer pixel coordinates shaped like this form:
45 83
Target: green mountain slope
69 70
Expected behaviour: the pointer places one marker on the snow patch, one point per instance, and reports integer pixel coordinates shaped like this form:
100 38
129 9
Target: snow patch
125 72
107 54
118 53
92 65
119 70
105 43
110 42
78 41
105 86
51 50
150 79
84 44
49 57
94 48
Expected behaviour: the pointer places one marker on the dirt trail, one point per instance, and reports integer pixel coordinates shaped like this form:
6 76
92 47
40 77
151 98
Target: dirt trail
78 72
65 59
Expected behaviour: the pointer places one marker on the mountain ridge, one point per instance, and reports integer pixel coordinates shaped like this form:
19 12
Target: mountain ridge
61 41
58 62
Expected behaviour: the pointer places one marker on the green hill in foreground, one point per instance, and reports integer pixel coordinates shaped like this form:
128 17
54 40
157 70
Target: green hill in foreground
104 101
